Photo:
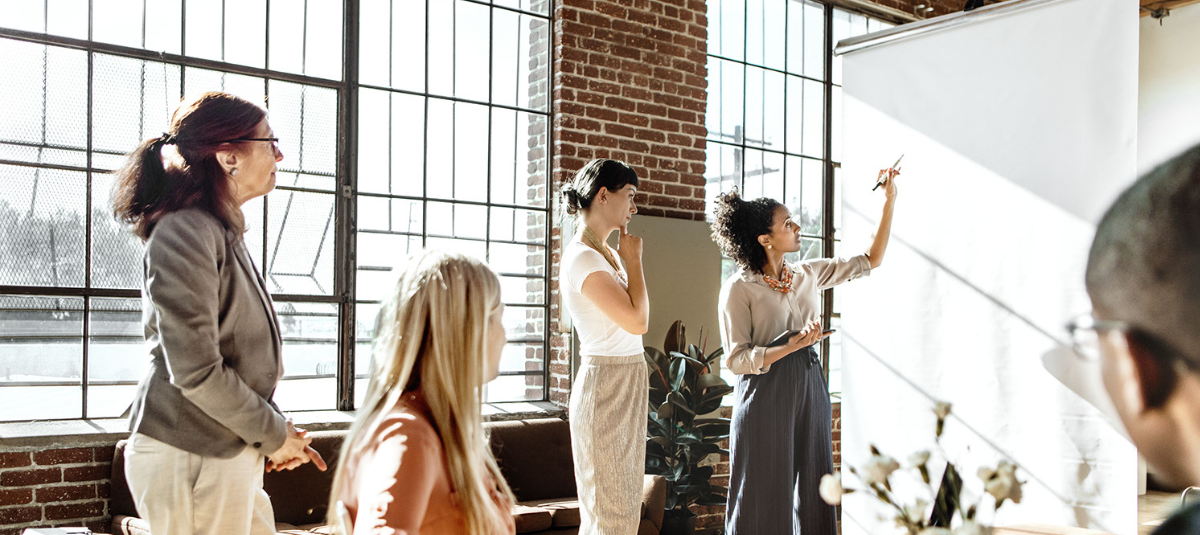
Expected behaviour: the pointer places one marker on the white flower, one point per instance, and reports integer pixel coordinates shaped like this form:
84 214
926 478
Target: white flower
919 458
831 488
1002 482
916 511
969 527
941 409
878 468
935 531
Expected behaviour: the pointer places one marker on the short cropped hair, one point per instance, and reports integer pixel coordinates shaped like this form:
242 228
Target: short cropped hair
1144 265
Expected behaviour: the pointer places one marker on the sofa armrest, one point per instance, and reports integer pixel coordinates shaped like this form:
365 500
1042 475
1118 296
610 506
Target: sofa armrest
654 497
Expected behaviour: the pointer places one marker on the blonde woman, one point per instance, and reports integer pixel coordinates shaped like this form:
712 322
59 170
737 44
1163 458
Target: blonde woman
610 309
416 459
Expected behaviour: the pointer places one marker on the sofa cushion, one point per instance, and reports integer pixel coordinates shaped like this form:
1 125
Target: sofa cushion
564 512
548 474
531 518
301 496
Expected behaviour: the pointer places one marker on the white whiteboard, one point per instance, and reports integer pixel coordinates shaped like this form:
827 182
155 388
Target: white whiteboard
1018 127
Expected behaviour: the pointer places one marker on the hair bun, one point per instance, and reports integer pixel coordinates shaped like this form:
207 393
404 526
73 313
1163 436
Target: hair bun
571 199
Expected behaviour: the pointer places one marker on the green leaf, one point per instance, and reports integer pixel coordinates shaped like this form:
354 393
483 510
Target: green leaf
714 356
678 374
676 339
688 437
711 380
680 401
665 410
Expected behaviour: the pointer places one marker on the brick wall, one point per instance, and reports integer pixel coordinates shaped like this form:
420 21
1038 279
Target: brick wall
629 84
55 487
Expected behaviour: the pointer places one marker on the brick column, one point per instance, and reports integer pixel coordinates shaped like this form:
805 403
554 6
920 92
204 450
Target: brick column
629 84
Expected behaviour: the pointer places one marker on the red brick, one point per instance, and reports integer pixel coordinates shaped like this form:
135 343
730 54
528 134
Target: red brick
87 473
15 459
15 496
66 494
75 511
68 456
25 478
20 515
103 454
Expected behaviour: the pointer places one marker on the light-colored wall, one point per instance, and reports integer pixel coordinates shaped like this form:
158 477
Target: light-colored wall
1169 86
683 275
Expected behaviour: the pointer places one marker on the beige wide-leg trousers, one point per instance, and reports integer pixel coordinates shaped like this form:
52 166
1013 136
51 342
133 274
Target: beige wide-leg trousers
609 401
181 493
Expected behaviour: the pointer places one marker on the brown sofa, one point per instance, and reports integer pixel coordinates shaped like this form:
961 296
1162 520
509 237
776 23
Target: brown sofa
534 455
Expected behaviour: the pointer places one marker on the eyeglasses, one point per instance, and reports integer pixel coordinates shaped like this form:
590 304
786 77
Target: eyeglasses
1085 334
274 140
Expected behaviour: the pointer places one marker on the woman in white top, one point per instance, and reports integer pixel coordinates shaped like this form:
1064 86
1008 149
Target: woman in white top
610 310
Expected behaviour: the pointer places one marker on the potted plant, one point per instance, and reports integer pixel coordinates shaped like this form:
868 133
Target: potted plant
683 388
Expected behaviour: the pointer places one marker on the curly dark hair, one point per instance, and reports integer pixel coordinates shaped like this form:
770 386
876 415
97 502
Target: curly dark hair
738 225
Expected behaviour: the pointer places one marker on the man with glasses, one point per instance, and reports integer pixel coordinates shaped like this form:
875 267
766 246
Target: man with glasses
1143 277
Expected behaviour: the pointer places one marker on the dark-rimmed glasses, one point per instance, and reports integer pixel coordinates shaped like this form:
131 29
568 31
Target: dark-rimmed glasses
274 140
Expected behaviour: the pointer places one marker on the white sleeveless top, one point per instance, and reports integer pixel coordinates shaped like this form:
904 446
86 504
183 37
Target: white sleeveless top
598 335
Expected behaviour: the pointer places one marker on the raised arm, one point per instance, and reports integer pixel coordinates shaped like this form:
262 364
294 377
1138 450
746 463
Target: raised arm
879 245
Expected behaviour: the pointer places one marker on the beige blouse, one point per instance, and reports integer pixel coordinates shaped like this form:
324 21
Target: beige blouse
752 314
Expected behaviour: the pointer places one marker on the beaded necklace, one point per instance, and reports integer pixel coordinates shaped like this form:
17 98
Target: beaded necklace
784 284
591 240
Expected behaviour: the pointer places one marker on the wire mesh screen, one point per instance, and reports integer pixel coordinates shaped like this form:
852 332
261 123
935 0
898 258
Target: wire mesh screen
452 151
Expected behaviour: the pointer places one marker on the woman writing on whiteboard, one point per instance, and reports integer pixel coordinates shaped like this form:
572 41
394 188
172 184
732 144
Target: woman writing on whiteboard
608 304
781 398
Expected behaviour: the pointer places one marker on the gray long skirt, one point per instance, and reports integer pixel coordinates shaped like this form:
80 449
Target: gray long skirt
779 447
608 440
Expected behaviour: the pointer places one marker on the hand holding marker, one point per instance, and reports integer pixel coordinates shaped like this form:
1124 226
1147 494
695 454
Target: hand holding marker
880 183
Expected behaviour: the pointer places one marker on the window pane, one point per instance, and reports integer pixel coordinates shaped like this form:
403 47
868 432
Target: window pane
307 38
515 388
42 218
519 357
251 88
117 357
305 121
300 243
41 356
764 108
132 101
44 105
733 29
440 51
470 146
765 27
309 333
245 32
116 252
472 36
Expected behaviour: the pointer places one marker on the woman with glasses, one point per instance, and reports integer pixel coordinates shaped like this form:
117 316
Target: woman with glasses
780 440
202 420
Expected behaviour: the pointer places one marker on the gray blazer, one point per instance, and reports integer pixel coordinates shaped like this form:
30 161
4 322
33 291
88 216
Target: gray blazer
213 340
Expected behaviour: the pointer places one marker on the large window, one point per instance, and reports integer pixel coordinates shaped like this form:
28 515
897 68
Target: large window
425 125
774 110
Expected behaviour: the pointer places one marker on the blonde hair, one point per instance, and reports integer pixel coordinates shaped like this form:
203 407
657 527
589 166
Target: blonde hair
431 334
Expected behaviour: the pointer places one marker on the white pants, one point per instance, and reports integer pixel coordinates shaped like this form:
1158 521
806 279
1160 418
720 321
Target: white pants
181 493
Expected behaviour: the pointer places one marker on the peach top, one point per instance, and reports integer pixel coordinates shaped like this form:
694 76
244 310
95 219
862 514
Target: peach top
399 483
